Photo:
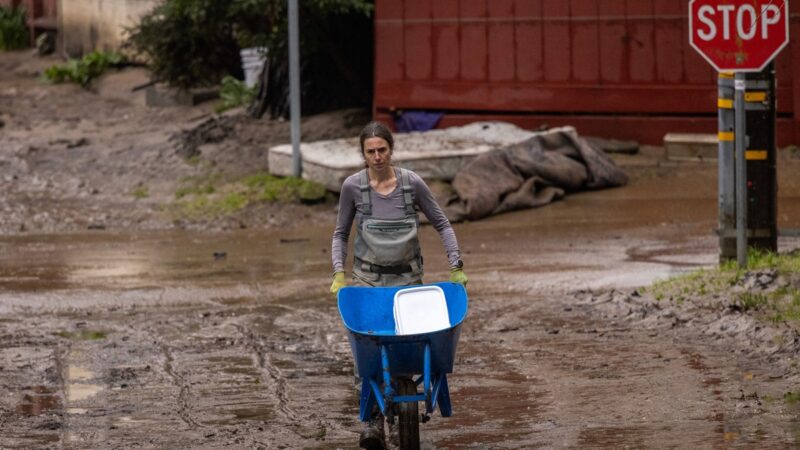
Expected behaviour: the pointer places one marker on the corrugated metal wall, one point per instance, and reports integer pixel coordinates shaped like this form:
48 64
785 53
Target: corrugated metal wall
610 67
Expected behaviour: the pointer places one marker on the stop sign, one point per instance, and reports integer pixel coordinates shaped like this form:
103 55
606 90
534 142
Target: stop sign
739 35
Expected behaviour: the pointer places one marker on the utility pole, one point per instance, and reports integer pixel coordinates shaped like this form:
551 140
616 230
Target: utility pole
294 87
740 134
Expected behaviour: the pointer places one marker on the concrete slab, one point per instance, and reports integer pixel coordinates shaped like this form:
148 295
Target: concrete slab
435 154
690 146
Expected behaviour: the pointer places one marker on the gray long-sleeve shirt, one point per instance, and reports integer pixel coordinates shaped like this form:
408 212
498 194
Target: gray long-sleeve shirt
389 207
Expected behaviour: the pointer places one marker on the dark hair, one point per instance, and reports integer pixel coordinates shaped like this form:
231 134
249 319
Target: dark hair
376 129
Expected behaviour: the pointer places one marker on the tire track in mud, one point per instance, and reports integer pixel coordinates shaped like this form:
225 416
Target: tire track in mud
58 363
183 395
264 360
273 373
294 421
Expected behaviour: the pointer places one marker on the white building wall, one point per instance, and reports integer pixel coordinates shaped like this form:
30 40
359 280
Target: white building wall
88 25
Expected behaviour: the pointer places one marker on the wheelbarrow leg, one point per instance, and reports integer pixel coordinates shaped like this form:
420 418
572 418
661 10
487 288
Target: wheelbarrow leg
376 394
443 398
371 392
373 437
368 400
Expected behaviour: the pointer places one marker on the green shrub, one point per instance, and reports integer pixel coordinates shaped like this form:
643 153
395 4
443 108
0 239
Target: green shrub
188 43
195 43
13 32
83 71
234 93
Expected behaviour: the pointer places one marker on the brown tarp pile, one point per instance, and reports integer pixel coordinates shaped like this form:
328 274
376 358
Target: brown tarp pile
529 174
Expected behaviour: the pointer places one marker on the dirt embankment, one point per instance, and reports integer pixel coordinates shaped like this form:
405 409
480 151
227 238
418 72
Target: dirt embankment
73 159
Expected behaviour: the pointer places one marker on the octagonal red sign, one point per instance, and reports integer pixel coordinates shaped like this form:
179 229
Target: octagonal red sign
739 35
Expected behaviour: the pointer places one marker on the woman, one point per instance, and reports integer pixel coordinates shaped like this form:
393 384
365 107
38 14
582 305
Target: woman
383 200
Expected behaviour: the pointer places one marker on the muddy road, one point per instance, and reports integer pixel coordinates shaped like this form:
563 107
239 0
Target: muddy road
179 339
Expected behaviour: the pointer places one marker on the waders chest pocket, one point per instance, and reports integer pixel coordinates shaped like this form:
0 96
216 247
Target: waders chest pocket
393 228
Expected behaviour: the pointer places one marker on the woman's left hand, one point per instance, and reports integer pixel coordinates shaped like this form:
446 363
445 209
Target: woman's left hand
458 276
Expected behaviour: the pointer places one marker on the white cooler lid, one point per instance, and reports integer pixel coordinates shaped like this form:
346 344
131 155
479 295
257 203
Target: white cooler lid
420 310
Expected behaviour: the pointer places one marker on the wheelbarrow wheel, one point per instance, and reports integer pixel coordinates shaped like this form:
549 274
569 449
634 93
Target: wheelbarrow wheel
408 416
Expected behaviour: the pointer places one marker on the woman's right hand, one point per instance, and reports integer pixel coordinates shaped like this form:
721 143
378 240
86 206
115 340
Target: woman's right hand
338 282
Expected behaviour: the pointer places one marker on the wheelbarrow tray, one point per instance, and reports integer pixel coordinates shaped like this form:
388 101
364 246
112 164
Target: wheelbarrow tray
368 315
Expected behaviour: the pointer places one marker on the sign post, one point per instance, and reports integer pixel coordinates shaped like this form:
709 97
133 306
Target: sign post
740 135
739 36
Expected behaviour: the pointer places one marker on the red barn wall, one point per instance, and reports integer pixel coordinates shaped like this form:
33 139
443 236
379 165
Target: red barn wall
613 68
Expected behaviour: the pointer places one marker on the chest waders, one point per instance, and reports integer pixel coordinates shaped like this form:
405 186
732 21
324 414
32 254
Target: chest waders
387 251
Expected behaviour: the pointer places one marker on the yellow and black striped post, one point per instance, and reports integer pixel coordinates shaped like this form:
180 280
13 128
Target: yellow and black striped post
727 193
760 157
762 187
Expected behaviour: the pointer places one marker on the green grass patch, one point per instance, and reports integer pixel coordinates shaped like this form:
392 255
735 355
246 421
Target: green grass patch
141 192
209 196
270 188
83 71
783 263
700 282
82 335
234 202
779 303
194 160
198 186
749 301
195 190
791 398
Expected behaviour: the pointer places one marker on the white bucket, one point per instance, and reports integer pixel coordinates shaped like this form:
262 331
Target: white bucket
253 60
420 310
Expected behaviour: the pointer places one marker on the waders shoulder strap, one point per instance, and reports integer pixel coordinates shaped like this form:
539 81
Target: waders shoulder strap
366 202
407 198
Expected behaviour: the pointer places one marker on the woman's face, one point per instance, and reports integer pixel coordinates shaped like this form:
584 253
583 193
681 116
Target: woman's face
377 154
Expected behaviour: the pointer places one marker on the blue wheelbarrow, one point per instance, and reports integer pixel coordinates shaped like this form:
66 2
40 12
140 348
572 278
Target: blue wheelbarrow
404 339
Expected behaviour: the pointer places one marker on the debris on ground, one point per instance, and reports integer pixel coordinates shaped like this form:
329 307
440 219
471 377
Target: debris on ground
530 174
211 130
757 310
